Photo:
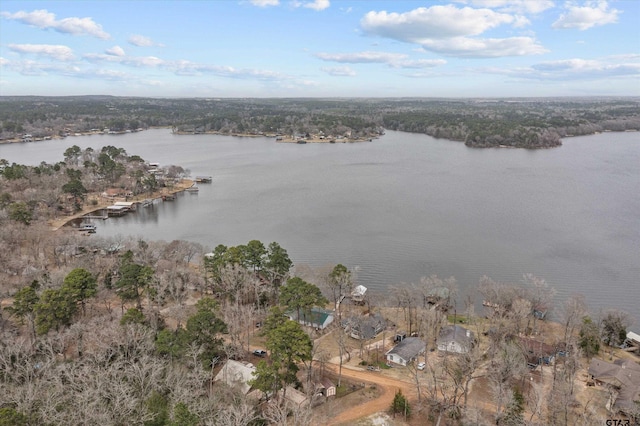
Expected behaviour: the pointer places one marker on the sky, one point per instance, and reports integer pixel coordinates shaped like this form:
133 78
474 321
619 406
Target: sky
320 48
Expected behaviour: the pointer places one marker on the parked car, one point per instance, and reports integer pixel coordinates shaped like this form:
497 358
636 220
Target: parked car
421 366
259 352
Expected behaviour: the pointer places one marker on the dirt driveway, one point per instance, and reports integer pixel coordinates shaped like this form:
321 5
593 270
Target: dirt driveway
386 385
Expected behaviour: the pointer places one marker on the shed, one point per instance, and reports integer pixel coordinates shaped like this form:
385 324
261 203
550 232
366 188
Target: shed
406 351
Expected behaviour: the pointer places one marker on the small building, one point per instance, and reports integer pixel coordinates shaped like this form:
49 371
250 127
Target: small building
117 210
406 351
128 205
237 374
456 339
329 388
317 318
358 294
633 340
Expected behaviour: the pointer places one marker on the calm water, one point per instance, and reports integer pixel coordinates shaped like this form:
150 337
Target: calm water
404 206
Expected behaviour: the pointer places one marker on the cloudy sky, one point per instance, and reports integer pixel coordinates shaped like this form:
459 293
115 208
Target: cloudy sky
318 48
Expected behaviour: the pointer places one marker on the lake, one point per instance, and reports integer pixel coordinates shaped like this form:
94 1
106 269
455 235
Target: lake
404 206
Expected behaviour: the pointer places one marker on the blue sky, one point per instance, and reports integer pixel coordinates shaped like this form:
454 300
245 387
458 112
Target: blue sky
320 48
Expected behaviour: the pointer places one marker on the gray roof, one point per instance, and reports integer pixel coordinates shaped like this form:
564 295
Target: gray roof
409 348
366 327
455 333
623 374
237 374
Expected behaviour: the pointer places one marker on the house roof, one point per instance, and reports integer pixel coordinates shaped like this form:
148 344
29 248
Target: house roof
316 316
366 327
456 333
633 336
360 290
623 374
536 347
236 374
408 348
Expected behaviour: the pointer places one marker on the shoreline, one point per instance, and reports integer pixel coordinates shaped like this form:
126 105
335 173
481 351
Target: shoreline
59 223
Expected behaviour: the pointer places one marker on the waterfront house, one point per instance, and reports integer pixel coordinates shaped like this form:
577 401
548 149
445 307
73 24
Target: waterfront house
364 327
406 351
456 339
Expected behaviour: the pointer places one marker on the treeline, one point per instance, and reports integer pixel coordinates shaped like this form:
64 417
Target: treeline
527 123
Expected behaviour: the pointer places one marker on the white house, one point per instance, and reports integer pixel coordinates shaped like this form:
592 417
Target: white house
455 339
406 351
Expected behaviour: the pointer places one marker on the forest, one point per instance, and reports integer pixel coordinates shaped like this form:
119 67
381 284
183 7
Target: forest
124 331
519 122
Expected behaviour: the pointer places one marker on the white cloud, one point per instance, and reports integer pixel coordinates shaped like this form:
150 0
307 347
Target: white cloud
134 61
575 69
591 15
3 62
452 31
515 6
265 3
115 51
53 51
339 71
362 57
142 41
485 48
46 20
421 63
315 4
436 22
395 60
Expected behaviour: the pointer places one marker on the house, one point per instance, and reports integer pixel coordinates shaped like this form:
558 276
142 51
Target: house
236 374
406 351
317 318
358 293
364 327
537 352
623 376
456 339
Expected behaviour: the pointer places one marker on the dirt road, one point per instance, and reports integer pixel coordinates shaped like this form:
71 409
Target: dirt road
387 385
